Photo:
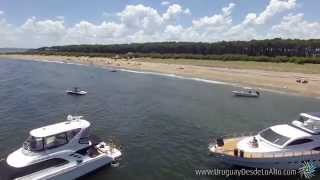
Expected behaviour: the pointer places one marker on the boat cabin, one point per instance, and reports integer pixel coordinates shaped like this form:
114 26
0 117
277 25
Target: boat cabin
300 132
76 89
52 141
57 135
284 136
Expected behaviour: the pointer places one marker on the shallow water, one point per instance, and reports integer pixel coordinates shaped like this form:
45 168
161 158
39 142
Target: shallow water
163 123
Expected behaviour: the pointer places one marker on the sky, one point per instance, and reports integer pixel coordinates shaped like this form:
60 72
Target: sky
38 23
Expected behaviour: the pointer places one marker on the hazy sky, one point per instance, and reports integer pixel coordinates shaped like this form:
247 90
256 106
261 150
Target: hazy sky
36 23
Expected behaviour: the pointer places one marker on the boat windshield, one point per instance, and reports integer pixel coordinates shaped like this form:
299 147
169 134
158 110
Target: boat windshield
303 119
309 123
274 137
33 144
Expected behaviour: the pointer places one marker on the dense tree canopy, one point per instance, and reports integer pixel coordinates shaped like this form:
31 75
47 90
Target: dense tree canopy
271 50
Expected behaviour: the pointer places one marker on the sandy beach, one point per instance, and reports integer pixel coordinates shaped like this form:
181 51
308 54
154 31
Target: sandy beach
278 81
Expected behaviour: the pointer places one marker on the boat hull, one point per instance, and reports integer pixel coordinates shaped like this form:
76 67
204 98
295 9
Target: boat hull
76 93
82 170
75 169
288 163
240 94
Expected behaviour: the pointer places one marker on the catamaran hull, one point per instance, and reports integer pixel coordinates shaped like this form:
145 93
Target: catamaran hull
76 170
82 169
72 172
288 163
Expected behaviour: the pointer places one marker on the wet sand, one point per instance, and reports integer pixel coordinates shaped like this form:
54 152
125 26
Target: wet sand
278 81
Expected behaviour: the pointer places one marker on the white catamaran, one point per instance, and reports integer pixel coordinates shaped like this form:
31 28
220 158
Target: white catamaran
60 151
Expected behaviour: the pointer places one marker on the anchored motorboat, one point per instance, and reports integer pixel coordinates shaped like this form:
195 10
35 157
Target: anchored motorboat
247 93
60 151
76 91
284 146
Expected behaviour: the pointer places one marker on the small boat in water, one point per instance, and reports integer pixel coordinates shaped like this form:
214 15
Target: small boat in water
247 93
283 146
60 151
76 91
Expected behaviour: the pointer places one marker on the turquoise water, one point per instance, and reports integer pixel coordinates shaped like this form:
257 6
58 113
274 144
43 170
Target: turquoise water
163 123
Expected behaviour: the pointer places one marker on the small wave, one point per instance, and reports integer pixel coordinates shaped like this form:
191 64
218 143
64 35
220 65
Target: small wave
177 76
79 64
59 62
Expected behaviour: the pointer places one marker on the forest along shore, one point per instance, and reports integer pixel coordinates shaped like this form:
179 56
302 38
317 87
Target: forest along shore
274 80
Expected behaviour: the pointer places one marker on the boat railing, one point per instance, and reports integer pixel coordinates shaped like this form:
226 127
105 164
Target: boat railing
283 154
244 154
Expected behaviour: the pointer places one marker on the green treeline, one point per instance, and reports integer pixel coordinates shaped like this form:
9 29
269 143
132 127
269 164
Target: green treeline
272 50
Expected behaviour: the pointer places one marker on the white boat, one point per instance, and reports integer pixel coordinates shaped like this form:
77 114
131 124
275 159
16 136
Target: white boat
284 146
60 151
76 91
247 93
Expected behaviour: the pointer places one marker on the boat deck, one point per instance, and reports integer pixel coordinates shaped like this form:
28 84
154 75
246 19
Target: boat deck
229 146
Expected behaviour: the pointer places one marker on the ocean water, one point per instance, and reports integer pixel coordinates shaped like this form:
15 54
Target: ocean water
163 123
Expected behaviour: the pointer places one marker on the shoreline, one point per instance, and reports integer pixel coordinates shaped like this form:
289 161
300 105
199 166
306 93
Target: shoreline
279 82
